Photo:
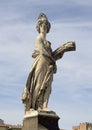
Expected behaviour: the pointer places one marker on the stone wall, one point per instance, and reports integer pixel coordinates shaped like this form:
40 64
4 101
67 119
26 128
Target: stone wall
83 126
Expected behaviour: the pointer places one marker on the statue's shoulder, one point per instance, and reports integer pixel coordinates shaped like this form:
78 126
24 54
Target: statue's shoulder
39 40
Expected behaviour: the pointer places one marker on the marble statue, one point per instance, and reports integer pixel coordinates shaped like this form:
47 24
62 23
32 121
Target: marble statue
38 86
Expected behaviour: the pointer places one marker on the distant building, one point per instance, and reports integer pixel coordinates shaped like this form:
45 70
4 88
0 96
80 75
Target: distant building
1 121
4 126
83 126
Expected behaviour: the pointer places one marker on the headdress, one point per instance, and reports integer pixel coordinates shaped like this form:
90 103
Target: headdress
42 17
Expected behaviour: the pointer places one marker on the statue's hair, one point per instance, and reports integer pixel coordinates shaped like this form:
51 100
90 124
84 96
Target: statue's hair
41 19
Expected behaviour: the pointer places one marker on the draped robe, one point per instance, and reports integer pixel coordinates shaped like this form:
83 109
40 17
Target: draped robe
38 86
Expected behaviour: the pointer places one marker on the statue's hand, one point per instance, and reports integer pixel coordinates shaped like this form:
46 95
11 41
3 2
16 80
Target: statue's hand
35 53
54 66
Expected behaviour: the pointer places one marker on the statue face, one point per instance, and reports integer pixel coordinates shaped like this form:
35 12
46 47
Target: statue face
43 28
43 25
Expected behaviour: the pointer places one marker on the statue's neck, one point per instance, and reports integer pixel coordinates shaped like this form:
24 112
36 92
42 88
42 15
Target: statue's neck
43 35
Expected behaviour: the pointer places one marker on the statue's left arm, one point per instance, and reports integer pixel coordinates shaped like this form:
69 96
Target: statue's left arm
58 53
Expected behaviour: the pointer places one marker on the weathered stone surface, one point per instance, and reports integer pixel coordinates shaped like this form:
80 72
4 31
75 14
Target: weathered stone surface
34 120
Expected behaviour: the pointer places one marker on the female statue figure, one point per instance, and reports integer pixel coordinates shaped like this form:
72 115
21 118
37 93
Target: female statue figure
38 87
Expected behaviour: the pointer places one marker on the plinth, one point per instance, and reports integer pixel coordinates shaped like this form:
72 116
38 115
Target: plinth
40 120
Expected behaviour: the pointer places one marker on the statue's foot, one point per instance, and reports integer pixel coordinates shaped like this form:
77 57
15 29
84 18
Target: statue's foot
46 109
31 109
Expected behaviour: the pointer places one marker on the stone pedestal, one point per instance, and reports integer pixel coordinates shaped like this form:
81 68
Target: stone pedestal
34 120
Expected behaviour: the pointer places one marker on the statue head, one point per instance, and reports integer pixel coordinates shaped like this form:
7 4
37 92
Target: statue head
43 19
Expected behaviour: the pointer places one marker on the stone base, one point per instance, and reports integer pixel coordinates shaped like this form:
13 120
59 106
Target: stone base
42 120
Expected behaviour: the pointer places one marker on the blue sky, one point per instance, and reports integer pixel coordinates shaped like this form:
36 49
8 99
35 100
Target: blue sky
71 96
